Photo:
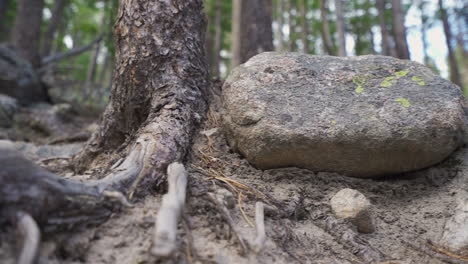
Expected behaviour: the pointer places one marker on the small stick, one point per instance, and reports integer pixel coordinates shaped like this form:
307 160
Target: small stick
260 227
227 217
164 241
30 237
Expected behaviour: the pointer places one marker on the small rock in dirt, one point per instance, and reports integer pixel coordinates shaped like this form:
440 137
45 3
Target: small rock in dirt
226 197
8 107
363 116
455 235
354 206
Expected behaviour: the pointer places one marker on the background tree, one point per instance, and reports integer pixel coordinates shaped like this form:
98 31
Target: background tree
454 72
27 29
326 38
340 26
252 30
399 30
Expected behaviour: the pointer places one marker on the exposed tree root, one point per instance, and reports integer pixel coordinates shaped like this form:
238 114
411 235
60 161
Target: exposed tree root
227 217
260 227
30 237
164 242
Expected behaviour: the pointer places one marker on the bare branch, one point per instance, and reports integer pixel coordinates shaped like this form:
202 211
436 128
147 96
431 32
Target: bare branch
30 237
227 217
173 202
260 227
70 53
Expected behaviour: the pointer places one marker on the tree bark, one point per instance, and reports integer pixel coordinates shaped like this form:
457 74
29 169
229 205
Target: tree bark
386 50
399 30
424 33
454 72
292 26
3 8
280 12
55 20
158 94
327 43
27 29
304 26
340 27
252 32
217 39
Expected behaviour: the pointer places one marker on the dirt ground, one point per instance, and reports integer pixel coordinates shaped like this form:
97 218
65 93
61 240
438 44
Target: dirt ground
409 210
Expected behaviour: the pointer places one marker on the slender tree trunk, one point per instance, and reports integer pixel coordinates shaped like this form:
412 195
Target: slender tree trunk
292 26
90 76
3 8
158 94
217 39
340 27
399 30
280 11
383 28
304 26
55 21
327 43
454 72
424 33
252 33
27 29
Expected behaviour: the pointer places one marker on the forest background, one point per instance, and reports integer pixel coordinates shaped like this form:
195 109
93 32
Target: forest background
77 36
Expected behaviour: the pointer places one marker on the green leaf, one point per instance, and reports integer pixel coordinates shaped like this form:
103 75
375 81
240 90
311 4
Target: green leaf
418 80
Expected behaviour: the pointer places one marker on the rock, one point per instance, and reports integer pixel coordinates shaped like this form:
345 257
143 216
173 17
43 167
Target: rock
363 116
18 79
455 235
8 107
354 206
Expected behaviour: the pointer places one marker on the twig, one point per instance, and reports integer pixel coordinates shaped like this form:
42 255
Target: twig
434 252
30 237
260 228
171 208
70 53
227 217
247 219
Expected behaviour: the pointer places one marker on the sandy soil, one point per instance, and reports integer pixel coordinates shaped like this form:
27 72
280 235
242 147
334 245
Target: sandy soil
409 209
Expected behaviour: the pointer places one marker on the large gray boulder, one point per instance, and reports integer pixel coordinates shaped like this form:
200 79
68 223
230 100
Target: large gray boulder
18 79
361 116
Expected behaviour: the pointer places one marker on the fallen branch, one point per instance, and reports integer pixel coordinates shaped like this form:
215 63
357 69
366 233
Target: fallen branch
70 53
30 238
260 228
227 217
164 243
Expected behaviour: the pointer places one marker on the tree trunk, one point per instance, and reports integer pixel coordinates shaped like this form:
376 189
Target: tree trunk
454 72
252 33
327 43
386 50
55 21
292 26
158 94
280 12
340 27
3 8
217 39
27 29
399 30
424 33
304 26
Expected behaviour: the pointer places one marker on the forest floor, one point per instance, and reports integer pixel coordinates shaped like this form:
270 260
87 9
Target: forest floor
409 210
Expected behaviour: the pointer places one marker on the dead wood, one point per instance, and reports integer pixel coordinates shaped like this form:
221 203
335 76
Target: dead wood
71 53
30 237
227 217
164 242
